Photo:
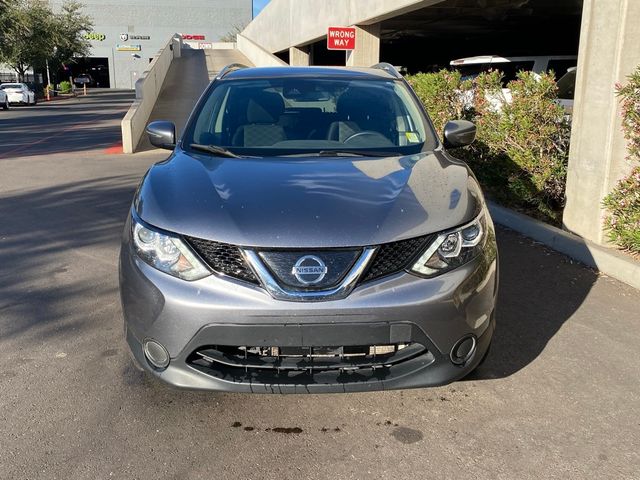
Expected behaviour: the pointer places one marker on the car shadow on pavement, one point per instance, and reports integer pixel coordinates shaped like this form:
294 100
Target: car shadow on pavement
58 251
539 291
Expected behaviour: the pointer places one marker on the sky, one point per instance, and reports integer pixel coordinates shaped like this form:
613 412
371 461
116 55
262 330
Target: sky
258 5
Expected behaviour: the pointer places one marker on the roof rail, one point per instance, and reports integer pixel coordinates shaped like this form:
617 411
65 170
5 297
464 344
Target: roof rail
230 68
387 67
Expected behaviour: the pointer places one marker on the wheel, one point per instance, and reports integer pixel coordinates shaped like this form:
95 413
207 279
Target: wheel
6 104
35 101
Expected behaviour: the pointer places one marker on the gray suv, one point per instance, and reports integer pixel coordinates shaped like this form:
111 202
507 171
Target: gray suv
309 233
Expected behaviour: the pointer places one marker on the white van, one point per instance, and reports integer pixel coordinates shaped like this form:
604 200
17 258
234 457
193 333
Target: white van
563 66
471 67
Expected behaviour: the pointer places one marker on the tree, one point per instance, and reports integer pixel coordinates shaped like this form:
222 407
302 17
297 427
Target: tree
70 27
32 32
27 32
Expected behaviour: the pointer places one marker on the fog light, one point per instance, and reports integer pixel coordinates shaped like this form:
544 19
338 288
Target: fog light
463 350
156 354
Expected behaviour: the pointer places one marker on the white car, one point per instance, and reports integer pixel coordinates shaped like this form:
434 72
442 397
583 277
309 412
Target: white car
19 93
4 100
471 67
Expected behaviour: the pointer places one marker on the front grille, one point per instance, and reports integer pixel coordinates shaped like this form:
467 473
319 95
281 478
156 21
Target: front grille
223 258
390 258
394 257
281 364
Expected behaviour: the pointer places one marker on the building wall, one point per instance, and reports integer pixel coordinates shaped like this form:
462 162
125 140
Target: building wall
157 19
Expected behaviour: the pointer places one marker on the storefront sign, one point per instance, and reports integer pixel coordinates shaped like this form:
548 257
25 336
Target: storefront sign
186 36
100 37
125 36
341 38
128 48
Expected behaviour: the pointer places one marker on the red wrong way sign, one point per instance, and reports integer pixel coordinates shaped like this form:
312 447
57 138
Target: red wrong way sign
341 38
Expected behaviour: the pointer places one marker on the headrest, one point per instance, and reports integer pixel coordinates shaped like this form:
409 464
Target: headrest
265 107
360 103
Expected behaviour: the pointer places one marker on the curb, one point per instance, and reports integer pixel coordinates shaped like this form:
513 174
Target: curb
56 99
608 261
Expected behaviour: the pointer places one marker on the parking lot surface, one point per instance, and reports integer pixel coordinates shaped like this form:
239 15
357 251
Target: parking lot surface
558 397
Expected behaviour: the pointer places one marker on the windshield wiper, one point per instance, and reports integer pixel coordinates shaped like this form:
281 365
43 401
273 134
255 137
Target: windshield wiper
355 153
219 151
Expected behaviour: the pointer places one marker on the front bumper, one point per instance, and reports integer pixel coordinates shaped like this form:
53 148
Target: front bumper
186 316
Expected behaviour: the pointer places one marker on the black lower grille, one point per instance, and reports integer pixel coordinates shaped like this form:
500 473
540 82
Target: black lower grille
312 360
394 257
223 258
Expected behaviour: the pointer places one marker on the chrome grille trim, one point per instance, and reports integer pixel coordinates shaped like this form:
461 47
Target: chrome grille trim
279 293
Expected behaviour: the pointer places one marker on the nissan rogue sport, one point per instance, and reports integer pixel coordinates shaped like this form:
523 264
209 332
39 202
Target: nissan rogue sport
309 233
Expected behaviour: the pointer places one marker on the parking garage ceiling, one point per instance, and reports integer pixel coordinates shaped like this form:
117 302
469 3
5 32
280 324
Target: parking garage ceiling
461 28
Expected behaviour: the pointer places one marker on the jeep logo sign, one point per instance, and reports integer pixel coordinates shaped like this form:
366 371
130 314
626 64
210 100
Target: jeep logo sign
100 37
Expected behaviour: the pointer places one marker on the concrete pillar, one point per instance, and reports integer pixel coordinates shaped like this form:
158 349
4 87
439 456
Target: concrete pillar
367 50
299 56
609 51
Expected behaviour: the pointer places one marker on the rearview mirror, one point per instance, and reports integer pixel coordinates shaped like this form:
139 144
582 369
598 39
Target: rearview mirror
459 133
162 134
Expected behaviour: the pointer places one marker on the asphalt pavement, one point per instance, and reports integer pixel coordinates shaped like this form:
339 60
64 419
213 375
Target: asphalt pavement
558 397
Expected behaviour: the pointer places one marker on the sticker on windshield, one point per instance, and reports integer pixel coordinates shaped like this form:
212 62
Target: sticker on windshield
413 137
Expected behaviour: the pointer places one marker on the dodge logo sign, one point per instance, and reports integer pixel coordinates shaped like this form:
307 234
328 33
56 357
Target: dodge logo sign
309 270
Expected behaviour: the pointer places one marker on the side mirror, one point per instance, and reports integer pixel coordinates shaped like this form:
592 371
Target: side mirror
162 134
459 133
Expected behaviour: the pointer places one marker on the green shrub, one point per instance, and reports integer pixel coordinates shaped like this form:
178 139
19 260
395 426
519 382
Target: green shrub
65 87
630 102
622 220
522 147
443 95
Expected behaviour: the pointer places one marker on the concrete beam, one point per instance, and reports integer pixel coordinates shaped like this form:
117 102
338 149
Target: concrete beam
287 23
367 50
299 56
609 40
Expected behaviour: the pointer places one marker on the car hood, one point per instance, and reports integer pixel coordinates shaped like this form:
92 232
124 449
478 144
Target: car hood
309 201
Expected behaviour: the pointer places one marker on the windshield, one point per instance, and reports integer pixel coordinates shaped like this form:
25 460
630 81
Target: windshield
10 85
286 116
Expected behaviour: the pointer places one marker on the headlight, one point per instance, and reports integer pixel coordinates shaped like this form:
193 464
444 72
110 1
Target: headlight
453 248
166 252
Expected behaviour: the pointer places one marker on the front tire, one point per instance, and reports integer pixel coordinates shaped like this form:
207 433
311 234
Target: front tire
6 104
